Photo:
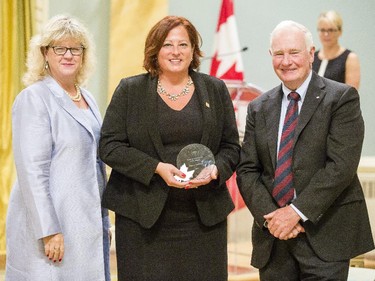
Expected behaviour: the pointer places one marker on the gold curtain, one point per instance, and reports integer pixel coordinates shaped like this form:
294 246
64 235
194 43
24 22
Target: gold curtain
16 25
131 21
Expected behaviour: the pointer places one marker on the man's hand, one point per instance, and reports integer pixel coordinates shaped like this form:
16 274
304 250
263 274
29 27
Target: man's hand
284 223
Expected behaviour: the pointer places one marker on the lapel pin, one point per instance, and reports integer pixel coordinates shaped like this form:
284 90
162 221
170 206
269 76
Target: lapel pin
207 105
318 97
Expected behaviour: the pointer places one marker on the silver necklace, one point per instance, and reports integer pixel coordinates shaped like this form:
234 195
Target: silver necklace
174 97
77 97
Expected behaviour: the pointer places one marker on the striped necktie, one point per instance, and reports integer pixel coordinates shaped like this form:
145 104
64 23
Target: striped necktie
283 190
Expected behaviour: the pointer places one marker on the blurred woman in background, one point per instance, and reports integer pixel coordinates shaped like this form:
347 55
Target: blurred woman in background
333 61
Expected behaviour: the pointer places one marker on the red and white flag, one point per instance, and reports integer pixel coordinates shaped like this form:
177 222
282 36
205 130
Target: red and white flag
227 61
227 65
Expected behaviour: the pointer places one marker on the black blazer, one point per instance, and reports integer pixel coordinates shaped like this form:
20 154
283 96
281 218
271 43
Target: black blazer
131 144
326 154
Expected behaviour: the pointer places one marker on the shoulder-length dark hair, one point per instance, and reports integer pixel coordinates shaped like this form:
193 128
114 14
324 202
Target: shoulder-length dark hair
155 40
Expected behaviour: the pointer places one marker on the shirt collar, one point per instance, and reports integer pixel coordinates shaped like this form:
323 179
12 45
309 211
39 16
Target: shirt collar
301 90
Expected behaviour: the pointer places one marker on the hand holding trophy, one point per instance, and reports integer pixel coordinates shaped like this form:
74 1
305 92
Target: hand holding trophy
196 161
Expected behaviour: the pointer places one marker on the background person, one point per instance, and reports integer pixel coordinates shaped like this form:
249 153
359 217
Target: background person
334 61
56 228
301 184
167 229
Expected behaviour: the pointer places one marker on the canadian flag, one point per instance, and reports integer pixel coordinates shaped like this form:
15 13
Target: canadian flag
227 61
227 65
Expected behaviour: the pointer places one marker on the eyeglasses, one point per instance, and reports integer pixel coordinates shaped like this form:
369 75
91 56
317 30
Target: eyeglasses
60 51
328 31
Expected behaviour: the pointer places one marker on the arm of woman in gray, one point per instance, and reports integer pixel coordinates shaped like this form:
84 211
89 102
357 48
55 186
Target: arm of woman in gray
32 148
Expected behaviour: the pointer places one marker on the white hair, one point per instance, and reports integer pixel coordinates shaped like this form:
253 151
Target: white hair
287 24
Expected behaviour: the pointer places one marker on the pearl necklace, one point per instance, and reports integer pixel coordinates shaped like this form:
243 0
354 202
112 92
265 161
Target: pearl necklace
174 97
76 97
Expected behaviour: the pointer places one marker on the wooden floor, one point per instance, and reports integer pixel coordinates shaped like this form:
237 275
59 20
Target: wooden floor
241 271
363 267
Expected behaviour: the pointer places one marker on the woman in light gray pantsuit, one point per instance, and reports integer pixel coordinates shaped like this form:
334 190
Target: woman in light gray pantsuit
56 228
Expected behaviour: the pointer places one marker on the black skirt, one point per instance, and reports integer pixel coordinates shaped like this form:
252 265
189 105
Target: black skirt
178 247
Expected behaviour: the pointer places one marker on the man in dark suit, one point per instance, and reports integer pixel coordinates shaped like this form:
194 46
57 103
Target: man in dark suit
310 215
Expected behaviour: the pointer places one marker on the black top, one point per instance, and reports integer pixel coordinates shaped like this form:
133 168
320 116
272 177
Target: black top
179 128
336 67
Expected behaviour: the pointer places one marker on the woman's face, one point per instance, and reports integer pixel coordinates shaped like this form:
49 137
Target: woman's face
176 52
328 33
64 66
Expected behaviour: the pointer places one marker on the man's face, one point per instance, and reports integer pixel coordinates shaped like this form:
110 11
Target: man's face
290 58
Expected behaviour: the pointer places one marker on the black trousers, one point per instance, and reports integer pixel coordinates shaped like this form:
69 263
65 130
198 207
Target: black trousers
295 260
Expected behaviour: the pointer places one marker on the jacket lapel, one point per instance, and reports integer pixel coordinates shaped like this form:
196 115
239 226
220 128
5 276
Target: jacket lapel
64 101
150 97
205 105
272 116
314 96
93 106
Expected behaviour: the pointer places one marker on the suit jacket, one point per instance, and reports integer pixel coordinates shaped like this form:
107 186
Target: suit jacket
327 150
131 144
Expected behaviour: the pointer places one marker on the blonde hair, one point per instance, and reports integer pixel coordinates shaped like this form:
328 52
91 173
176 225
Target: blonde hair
333 17
58 28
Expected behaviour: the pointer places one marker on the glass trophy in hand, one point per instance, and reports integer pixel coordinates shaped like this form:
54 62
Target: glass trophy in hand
196 161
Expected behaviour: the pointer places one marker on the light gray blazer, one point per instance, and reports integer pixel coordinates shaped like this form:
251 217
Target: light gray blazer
57 189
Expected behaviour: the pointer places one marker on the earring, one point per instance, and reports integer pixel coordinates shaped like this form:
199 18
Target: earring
46 65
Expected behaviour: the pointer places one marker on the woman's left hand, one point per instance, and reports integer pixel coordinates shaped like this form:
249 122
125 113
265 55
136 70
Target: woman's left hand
54 247
205 177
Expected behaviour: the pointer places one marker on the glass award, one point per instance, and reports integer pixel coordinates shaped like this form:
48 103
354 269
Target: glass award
196 161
